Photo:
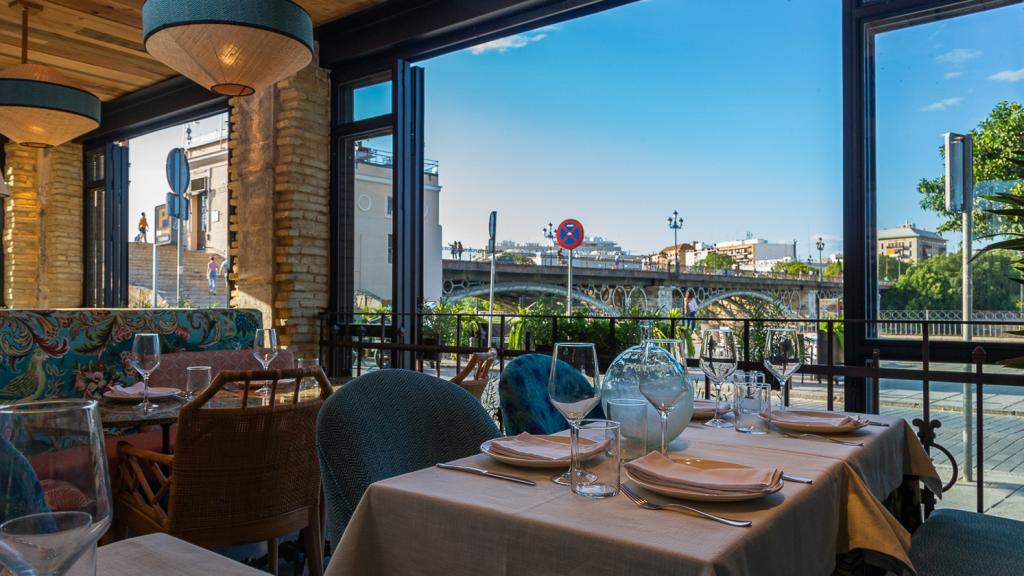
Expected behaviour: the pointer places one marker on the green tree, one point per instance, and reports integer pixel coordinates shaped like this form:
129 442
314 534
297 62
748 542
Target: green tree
834 269
935 284
717 261
998 142
793 267
891 268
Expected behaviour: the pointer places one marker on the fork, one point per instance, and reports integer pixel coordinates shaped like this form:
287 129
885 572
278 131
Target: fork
830 439
648 505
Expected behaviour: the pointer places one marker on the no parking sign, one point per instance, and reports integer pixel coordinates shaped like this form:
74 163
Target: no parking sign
569 234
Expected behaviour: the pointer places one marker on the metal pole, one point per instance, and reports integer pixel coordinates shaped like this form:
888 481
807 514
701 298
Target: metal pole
156 266
568 288
181 258
490 298
966 305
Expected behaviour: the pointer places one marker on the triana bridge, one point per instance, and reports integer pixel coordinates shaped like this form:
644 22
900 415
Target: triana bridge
610 289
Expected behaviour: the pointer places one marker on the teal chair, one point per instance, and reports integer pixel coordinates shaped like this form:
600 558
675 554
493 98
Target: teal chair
523 395
956 543
388 423
20 492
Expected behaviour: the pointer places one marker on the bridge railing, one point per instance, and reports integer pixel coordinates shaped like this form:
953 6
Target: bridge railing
440 342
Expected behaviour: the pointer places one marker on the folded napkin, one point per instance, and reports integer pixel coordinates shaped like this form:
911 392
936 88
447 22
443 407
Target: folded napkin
137 389
657 469
530 447
701 406
815 418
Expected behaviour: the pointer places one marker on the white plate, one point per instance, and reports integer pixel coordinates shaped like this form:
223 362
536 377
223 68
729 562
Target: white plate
856 424
691 494
536 463
155 393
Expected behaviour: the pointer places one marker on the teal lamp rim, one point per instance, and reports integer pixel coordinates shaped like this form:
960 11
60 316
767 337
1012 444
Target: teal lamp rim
283 17
26 93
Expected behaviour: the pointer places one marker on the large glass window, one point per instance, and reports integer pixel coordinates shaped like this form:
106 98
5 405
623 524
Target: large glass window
372 168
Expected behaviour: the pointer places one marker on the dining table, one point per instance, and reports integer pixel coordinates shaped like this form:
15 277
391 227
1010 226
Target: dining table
163 555
440 522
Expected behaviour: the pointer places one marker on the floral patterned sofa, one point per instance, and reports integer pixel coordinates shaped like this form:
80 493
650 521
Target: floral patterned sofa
82 352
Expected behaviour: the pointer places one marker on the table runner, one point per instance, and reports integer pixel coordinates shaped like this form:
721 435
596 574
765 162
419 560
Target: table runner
446 523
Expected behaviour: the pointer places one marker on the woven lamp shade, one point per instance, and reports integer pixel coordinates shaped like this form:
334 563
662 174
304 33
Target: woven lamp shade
39 108
229 47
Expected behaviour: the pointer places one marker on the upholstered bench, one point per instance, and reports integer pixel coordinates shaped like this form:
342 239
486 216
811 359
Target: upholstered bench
958 543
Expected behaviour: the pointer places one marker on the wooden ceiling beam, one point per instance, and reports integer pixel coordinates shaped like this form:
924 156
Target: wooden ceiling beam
120 12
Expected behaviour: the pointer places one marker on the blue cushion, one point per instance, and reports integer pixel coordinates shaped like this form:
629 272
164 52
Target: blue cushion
387 423
523 395
954 542
20 492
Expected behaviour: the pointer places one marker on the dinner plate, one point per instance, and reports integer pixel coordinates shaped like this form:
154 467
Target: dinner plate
694 494
537 463
856 424
155 393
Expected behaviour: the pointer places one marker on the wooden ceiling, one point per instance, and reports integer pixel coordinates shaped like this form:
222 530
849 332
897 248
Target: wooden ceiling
97 44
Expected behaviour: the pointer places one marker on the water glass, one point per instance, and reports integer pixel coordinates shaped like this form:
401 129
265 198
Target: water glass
751 404
197 379
603 477
145 358
52 447
631 414
308 385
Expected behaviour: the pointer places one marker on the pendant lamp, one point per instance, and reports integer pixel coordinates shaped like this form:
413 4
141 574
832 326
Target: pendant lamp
38 106
230 47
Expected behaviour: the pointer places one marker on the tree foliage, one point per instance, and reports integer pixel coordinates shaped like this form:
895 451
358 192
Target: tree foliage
717 261
793 267
936 284
998 141
834 269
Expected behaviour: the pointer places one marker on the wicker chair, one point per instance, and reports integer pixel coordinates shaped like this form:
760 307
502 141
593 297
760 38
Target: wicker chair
480 364
239 475
387 423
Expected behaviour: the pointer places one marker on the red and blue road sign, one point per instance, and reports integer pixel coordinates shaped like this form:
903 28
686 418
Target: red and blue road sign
569 234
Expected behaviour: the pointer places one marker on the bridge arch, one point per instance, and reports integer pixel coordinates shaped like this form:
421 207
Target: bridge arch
727 295
513 287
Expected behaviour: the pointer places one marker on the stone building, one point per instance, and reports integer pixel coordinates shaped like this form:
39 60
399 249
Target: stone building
909 243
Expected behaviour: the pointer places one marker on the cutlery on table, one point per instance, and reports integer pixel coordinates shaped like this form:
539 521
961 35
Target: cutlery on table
822 437
875 423
797 479
487 473
648 505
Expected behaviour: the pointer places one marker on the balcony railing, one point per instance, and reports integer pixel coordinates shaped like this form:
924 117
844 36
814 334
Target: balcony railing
352 344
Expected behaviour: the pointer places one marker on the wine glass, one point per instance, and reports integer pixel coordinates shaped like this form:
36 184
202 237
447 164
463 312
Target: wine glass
574 388
662 381
264 348
55 500
718 360
782 358
144 360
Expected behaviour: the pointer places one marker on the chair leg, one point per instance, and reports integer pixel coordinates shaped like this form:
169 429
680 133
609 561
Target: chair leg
272 560
312 542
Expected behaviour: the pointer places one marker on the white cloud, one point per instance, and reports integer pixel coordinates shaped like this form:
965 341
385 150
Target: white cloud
503 45
1008 75
942 104
951 75
958 55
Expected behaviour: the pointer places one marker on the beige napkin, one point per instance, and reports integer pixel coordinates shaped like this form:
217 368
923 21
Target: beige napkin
530 447
657 469
137 389
701 406
814 418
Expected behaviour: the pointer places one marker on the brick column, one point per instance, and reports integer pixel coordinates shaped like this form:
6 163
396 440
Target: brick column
43 227
279 182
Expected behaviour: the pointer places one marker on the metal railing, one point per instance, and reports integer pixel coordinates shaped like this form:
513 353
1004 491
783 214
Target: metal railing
949 323
349 347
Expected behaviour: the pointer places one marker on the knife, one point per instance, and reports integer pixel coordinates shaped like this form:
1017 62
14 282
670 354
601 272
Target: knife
797 479
482 472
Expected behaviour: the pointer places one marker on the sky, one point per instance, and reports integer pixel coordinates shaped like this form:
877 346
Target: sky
729 112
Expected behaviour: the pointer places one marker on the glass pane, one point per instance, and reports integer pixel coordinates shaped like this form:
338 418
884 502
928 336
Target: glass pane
963 76
370 101
94 243
372 168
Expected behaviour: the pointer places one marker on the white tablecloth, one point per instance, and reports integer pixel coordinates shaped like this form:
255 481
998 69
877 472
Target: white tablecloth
163 555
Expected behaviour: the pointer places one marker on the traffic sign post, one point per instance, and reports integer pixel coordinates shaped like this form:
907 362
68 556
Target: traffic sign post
492 229
569 236
177 206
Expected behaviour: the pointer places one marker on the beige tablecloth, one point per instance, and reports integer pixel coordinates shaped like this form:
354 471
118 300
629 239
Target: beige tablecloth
163 555
448 523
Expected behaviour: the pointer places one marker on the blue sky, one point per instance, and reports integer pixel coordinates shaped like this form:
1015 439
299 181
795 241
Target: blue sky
729 112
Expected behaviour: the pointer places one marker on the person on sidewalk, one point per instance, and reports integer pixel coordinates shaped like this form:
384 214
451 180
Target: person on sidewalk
143 227
690 310
213 267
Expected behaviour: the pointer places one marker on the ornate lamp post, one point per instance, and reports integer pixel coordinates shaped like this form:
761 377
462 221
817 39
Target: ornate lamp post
820 245
675 223
549 231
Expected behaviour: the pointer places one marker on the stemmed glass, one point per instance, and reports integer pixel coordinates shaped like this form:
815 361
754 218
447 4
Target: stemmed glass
264 348
52 447
574 388
144 360
782 358
718 360
662 381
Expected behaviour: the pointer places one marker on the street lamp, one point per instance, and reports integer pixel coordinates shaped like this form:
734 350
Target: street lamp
675 223
549 231
820 245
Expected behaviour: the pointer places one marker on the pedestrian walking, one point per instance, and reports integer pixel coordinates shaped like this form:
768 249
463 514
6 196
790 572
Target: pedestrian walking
460 249
143 227
213 268
690 310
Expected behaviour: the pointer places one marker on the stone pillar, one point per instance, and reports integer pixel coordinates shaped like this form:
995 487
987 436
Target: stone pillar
279 181
42 240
